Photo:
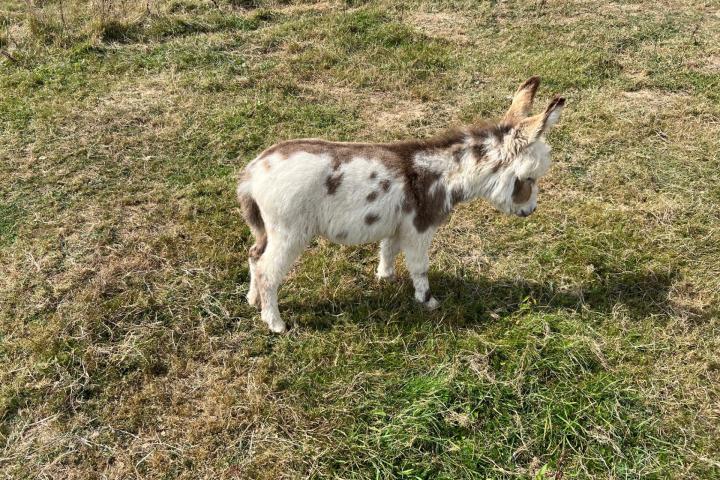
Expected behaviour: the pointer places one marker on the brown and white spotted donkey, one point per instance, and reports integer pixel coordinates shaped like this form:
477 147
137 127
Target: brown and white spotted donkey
396 193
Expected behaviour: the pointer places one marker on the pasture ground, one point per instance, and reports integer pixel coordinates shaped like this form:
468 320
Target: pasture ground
582 342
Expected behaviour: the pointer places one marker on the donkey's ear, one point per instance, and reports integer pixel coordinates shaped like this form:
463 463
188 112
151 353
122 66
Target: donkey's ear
522 100
530 129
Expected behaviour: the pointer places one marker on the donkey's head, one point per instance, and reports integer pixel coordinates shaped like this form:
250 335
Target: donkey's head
521 152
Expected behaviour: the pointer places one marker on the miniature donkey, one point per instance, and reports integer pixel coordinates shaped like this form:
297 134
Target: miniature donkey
396 193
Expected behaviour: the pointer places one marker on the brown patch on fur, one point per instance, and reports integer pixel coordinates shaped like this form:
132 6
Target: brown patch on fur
429 203
423 194
457 195
457 155
339 152
373 175
428 296
407 205
332 182
522 190
371 196
385 185
408 148
500 130
479 152
290 147
371 218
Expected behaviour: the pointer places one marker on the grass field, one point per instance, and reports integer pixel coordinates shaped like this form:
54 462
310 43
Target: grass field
582 342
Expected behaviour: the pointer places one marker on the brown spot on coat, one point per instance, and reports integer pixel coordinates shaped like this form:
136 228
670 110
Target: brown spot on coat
432 209
373 175
290 147
457 195
332 182
371 218
522 190
338 152
428 296
385 185
479 152
407 205
458 154
426 197
371 196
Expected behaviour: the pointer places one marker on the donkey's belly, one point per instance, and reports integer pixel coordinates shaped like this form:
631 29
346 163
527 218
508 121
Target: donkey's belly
360 227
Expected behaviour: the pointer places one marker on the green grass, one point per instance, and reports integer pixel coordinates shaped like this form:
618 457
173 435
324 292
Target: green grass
581 342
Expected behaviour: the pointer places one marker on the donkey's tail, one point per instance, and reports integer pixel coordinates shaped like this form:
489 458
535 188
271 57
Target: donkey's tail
253 217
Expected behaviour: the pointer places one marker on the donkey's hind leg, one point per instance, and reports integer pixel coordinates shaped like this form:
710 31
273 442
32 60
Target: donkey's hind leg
256 251
281 252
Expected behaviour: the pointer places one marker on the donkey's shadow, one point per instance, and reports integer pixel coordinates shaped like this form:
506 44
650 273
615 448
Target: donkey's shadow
473 300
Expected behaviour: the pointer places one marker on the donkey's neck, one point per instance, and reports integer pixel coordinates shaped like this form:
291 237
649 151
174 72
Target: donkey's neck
467 170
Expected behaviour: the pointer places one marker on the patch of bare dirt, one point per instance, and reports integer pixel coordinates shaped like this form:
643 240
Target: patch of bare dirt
443 25
653 101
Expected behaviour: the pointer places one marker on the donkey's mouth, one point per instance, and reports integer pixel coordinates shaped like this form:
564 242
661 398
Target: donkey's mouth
525 213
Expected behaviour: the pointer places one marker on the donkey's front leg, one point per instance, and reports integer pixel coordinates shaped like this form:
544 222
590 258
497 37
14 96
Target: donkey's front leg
417 261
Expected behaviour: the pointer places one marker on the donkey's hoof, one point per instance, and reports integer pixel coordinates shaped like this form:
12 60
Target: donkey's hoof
431 304
277 327
385 276
275 324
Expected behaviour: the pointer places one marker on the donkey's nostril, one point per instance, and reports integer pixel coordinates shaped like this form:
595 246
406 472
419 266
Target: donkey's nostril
526 213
